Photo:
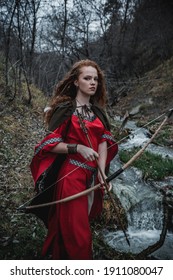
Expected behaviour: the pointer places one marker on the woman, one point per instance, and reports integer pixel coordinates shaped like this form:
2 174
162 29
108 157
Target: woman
79 141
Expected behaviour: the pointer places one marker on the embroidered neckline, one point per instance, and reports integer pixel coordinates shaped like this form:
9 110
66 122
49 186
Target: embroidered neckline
87 118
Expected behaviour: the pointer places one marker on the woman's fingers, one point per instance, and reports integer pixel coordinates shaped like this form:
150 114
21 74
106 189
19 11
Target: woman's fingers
102 182
88 153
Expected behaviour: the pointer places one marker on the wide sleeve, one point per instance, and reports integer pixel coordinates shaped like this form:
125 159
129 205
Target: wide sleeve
43 157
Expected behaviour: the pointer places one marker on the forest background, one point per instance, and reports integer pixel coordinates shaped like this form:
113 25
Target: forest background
131 40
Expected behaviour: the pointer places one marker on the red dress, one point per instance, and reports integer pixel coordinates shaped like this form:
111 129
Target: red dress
69 234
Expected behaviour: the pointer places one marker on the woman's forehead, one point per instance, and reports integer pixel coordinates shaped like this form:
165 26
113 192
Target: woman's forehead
88 70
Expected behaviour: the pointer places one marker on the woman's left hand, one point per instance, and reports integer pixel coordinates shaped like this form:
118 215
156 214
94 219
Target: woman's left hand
102 181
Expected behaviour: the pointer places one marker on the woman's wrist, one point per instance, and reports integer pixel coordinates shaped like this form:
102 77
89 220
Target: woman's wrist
72 148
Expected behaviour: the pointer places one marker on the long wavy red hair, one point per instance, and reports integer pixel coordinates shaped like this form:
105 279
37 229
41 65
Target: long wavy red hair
66 90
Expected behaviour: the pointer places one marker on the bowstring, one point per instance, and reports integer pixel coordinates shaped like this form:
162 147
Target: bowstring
136 130
80 165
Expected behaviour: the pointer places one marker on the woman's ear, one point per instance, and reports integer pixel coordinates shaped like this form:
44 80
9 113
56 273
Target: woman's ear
76 83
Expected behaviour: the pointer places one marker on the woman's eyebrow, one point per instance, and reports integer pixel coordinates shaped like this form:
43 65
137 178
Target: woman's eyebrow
90 76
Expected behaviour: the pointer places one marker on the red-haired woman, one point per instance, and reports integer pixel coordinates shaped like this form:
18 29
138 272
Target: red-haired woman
65 164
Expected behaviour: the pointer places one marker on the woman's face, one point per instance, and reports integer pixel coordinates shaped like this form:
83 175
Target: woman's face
87 81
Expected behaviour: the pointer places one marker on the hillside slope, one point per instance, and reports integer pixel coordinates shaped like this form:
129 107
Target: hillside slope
21 128
152 93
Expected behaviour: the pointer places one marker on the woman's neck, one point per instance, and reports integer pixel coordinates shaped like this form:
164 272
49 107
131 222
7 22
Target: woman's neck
81 100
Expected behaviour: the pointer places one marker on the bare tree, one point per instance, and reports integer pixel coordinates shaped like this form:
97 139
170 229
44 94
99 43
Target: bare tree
19 20
7 16
116 34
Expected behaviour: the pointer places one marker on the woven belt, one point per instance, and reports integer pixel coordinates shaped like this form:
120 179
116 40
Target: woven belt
83 165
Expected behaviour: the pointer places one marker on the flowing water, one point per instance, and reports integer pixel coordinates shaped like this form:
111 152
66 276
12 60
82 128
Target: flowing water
143 204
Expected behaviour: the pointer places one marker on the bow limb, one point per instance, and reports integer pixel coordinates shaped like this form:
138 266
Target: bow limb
66 199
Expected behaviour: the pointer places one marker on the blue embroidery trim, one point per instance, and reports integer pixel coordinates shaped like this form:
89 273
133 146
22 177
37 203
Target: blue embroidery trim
106 136
83 165
47 142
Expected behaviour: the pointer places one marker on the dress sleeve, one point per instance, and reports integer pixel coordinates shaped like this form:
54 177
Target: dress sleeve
43 157
112 147
52 139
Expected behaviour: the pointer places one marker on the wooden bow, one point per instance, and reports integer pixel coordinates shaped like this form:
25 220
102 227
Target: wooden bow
108 179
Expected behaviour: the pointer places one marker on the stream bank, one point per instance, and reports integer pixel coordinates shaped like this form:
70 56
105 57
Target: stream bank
142 201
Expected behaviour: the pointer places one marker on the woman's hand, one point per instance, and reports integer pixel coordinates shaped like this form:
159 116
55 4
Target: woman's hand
88 153
102 181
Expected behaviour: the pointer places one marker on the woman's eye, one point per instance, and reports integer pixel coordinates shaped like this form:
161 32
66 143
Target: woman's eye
88 79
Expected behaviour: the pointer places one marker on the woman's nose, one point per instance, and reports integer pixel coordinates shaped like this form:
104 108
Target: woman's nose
93 81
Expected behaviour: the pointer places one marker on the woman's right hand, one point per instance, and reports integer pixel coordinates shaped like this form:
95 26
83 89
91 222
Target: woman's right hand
87 152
